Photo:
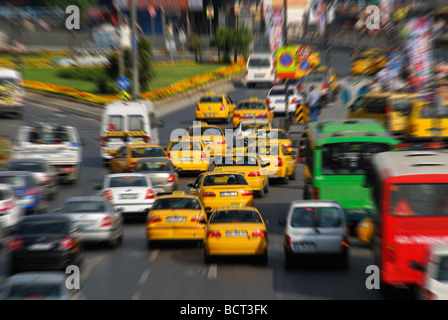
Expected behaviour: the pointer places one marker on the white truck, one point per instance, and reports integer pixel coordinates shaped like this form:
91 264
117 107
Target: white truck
60 145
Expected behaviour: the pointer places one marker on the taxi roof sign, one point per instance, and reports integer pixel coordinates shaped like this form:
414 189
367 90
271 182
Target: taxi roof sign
178 193
253 98
209 93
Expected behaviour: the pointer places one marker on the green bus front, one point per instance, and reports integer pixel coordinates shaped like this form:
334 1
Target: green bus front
340 173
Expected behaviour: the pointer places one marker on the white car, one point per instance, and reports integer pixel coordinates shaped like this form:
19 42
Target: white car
130 193
435 273
276 99
10 210
260 69
246 127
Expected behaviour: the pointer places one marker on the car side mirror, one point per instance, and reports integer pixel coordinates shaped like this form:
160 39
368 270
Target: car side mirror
190 185
98 187
416 266
160 123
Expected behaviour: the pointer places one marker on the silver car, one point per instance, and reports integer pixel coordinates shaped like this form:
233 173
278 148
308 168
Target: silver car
161 172
42 285
97 219
45 173
315 227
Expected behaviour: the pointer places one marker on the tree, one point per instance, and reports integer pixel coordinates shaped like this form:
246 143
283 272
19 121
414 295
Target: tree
223 40
241 40
194 45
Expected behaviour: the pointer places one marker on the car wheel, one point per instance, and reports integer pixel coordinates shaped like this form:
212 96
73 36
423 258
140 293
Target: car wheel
263 259
292 176
207 258
284 180
260 193
266 187
288 261
344 259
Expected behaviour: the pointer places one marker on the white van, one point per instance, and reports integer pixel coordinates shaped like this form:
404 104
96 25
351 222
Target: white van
260 68
125 122
12 93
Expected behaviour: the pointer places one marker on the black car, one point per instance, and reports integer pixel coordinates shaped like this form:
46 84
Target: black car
44 242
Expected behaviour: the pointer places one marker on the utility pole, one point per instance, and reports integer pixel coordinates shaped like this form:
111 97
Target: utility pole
135 71
286 83
120 48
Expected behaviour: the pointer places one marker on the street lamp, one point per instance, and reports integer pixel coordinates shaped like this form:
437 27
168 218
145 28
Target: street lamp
135 71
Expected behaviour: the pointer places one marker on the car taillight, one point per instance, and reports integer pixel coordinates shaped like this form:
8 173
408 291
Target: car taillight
154 219
148 139
247 193
150 194
132 165
7 205
67 243
197 107
299 157
32 192
213 234
279 162
46 178
208 194
324 86
246 72
268 101
428 295
254 174
294 100
203 156
108 195
15 243
316 193
198 219
171 178
236 115
103 141
106 222
222 108
169 155
262 115
259 233
288 146
287 241
299 86
221 142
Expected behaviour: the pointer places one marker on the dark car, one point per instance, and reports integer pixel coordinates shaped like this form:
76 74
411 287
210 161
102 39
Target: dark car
30 196
44 242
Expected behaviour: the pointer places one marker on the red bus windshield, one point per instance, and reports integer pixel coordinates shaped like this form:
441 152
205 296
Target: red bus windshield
419 200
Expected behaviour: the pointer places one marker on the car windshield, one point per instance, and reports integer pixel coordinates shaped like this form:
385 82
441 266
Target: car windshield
402 104
26 166
251 106
224 179
443 270
277 92
259 62
83 206
180 146
34 290
146 152
211 99
237 161
305 217
152 166
375 105
205 131
43 227
18 181
419 199
231 216
349 158
127 181
253 126
263 150
176 203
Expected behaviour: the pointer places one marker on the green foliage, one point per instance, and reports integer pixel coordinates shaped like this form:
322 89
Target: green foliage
82 4
194 45
237 39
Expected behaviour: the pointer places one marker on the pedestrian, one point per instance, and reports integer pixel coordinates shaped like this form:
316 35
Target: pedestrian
313 100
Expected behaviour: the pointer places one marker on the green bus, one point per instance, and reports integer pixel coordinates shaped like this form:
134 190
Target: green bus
335 154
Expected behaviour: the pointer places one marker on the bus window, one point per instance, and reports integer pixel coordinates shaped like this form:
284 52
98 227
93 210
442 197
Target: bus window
421 200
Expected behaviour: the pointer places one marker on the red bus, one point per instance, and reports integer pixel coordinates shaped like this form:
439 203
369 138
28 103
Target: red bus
410 189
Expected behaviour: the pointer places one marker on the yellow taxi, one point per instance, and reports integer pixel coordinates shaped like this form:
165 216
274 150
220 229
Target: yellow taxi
215 106
369 62
240 144
365 230
251 166
391 109
274 134
280 162
426 122
212 136
252 109
176 217
234 231
189 155
126 157
222 189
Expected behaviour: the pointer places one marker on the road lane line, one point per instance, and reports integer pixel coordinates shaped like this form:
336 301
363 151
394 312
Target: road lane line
154 255
212 272
87 269
136 295
144 277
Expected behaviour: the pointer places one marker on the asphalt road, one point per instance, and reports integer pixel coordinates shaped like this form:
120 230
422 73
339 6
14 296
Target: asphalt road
178 272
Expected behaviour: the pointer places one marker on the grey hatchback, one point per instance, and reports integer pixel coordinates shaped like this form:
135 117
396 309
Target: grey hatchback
315 227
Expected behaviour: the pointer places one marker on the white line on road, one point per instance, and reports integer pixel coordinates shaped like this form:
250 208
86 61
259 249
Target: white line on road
212 272
144 277
136 295
154 255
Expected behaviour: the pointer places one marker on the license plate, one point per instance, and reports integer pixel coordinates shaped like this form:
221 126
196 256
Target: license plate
87 222
208 142
236 233
235 204
133 139
209 114
259 75
229 194
280 101
40 246
304 247
176 219
128 196
185 159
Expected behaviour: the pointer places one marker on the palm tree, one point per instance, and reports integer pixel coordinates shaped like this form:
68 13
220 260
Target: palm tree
224 42
241 40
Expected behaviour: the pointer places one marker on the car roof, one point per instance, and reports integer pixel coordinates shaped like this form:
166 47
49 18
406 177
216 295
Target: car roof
46 217
30 160
155 159
86 198
315 203
139 145
246 208
13 173
126 174
211 173
39 276
168 196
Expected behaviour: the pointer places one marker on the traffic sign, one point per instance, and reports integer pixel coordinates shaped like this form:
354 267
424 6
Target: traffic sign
124 83
304 52
210 12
